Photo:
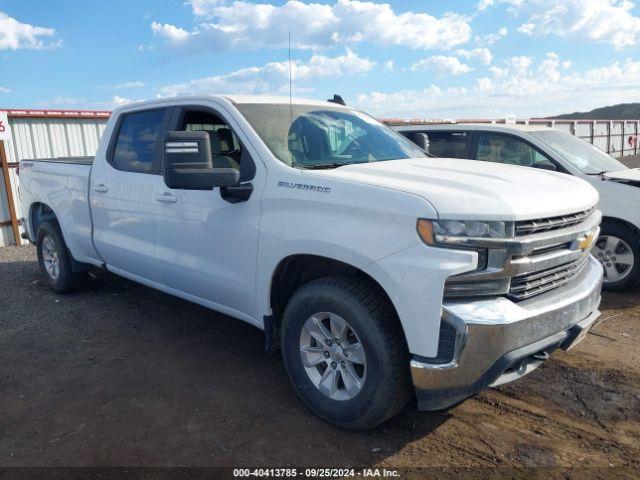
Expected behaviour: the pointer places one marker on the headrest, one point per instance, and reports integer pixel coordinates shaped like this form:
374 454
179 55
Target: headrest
226 140
214 141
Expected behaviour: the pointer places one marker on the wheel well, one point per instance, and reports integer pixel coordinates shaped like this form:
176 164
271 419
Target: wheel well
623 223
297 270
39 213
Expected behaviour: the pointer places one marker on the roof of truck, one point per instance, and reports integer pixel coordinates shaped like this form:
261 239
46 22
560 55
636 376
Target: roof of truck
237 99
275 99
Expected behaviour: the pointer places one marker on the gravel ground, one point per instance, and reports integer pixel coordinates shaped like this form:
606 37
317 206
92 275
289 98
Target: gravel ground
119 374
632 161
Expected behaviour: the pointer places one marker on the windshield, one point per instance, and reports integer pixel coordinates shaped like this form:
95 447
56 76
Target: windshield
580 154
309 136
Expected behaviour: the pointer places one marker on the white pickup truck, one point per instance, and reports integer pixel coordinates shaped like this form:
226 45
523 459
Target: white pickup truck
380 273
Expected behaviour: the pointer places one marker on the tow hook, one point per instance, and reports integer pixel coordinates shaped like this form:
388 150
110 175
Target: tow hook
541 356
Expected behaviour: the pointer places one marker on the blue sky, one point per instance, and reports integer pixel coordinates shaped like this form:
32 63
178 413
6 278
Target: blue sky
410 59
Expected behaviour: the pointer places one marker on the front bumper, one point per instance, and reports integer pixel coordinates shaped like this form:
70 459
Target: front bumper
498 341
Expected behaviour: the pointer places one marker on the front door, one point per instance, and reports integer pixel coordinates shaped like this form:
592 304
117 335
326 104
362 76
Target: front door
206 246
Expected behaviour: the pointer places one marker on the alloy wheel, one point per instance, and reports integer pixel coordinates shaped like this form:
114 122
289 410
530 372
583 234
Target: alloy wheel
333 356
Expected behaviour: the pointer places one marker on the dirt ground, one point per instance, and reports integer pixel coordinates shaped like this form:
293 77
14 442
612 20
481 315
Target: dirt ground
119 374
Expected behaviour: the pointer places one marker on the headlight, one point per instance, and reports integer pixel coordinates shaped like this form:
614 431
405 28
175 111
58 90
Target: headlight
433 232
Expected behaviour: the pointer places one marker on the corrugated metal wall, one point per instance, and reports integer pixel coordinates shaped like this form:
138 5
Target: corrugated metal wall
44 138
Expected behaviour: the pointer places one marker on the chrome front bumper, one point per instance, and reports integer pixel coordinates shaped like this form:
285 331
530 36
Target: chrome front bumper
498 340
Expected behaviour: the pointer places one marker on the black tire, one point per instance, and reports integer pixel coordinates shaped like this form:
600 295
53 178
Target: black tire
66 280
387 387
624 233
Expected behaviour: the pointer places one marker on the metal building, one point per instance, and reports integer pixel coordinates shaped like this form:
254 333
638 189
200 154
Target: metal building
40 134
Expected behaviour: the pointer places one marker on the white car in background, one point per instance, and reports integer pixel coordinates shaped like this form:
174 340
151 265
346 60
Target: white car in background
618 248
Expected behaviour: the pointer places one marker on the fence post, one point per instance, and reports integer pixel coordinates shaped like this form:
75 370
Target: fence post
609 137
4 164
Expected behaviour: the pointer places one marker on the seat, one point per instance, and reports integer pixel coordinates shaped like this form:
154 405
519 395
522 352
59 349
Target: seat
228 147
219 159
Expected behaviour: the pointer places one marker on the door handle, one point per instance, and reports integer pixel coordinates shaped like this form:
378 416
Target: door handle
101 188
166 197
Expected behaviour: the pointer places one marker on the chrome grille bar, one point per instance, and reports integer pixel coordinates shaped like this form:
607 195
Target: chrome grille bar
526 286
528 227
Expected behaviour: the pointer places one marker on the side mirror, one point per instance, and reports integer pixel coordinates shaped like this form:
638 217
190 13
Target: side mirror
188 164
422 140
547 166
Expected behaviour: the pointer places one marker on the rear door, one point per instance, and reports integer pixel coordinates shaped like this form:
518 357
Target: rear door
122 194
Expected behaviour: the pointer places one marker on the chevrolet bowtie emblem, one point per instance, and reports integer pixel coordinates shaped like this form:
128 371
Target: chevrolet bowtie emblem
585 242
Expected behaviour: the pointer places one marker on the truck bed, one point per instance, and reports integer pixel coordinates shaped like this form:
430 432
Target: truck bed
62 184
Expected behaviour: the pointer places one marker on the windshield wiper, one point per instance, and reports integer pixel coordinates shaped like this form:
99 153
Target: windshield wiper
323 166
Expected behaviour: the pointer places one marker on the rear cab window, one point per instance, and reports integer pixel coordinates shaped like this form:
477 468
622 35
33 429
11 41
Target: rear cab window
135 148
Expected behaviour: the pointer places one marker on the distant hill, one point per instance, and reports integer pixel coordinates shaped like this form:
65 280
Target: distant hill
622 111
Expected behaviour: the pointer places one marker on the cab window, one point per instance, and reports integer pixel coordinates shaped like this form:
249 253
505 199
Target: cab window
136 142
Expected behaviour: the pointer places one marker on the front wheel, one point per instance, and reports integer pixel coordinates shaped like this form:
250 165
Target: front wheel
345 352
618 250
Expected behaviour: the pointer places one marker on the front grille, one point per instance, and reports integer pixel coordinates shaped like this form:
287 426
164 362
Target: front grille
527 227
530 284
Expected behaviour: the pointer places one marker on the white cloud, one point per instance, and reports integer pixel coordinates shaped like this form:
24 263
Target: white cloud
484 4
16 36
389 66
610 21
126 85
242 24
519 86
173 34
67 101
482 54
4 90
442 64
452 65
118 101
526 28
491 38
274 76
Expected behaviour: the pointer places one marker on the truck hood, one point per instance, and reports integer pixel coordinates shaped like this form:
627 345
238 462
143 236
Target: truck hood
468 189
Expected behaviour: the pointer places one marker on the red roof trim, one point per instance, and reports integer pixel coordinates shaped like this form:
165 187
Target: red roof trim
29 113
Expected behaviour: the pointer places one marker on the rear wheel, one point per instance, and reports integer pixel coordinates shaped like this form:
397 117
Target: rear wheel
617 249
345 352
54 259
